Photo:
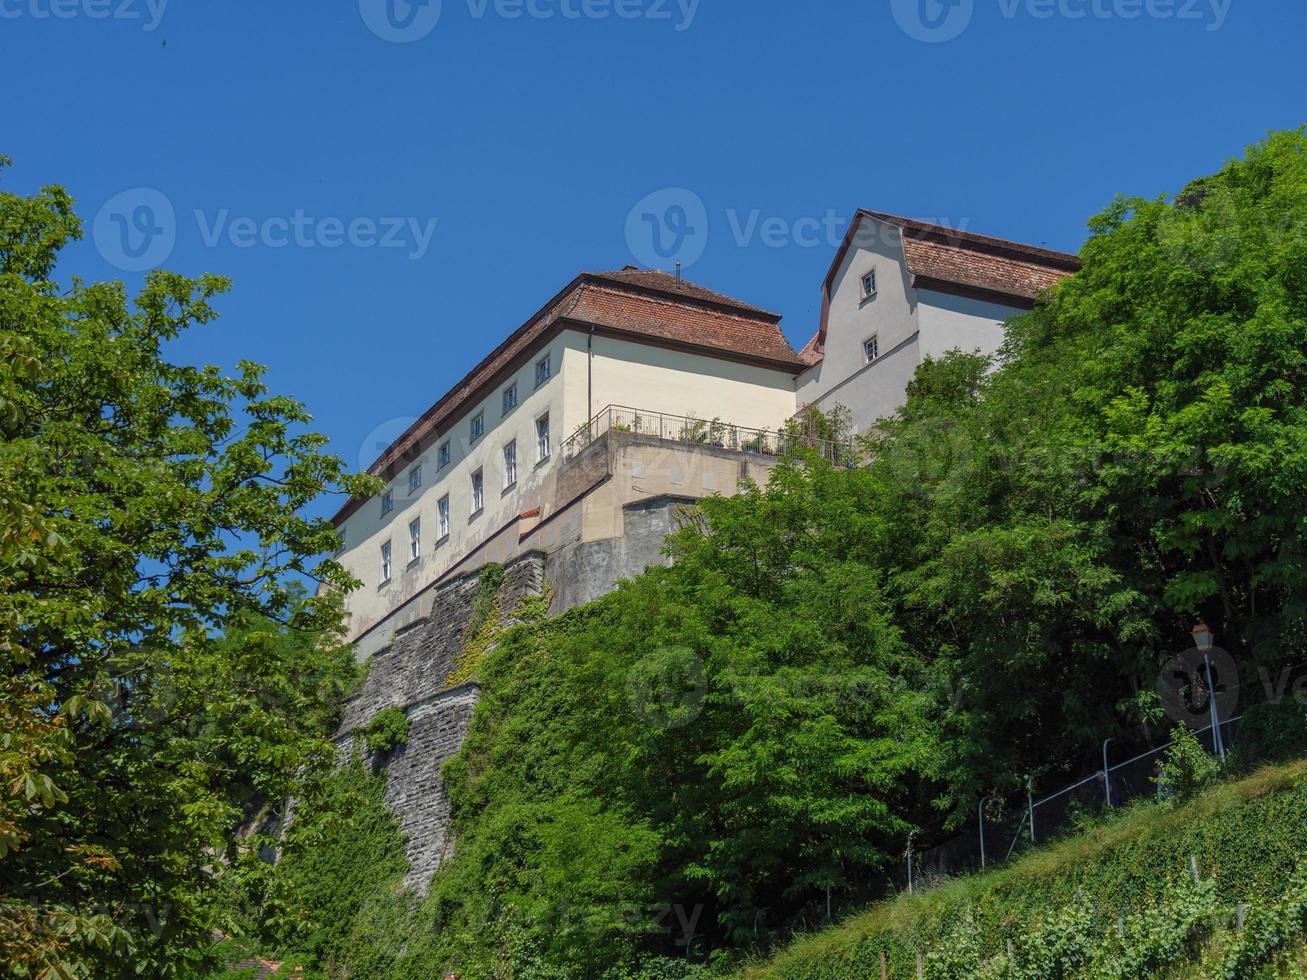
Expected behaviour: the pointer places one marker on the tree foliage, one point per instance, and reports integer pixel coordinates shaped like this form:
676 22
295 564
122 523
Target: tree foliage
162 673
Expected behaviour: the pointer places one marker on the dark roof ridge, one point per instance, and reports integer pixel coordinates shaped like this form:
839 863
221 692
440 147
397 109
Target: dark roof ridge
665 284
960 238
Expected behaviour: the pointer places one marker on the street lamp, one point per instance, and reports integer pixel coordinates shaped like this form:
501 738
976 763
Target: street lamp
1204 640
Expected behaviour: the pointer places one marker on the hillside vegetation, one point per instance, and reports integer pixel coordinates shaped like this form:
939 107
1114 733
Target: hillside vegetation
684 772
1119 901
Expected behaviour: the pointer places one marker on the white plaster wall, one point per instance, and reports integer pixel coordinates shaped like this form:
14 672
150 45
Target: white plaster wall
366 529
678 383
951 322
624 373
875 391
843 377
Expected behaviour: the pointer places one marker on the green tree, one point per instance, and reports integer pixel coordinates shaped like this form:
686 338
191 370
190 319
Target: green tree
145 507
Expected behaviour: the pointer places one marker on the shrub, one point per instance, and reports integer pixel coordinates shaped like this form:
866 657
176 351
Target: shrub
1187 767
387 730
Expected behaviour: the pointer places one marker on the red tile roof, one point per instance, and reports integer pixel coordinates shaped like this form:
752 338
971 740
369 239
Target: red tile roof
636 304
939 257
977 270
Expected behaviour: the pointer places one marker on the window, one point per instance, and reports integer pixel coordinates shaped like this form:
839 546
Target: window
510 398
385 563
415 479
442 513
543 371
869 284
414 539
871 348
442 455
542 438
478 492
510 464
387 502
340 541
478 426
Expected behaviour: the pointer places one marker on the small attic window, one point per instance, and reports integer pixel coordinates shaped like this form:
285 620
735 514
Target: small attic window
869 284
871 348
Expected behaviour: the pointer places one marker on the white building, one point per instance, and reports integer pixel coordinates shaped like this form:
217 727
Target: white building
631 391
900 291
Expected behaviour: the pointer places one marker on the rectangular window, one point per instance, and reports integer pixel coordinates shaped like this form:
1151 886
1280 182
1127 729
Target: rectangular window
385 563
387 502
442 455
543 370
415 479
869 284
415 539
478 426
510 464
542 438
510 398
442 511
871 348
478 492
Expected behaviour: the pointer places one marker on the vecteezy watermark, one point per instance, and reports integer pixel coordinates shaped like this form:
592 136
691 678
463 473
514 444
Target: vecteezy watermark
401 21
406 21
303 230
1189 681
937 21
666 688
382 438
932 21
149 12
137 230
672 225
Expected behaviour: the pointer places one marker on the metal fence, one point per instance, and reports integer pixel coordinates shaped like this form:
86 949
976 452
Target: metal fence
1008 825
713 433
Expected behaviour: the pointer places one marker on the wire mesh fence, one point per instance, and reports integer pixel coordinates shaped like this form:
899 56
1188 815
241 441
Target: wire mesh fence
1006 826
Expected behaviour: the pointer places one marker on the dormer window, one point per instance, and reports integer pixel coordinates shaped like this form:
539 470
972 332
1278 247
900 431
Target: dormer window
869 284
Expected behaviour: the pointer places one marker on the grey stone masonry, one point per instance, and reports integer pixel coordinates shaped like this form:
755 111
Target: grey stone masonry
411 673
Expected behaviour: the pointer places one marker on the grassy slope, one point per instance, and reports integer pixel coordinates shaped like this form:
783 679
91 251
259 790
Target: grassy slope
1247 836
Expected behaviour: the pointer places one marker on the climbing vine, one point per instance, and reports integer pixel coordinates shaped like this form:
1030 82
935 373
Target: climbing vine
483 625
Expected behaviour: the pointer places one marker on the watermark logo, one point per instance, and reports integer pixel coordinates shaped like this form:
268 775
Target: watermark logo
666 688
148 12
401 21
937 21
932 21
136 229
382 438
670 225
1186 693
405 21
303 230
673 225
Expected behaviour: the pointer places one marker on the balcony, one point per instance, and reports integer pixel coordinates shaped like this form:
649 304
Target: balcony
709 433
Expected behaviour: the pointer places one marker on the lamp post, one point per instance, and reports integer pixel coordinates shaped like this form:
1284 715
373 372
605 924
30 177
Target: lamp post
1107 775
1204 640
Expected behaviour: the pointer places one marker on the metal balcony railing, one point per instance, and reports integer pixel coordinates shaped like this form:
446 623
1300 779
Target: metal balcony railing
712 433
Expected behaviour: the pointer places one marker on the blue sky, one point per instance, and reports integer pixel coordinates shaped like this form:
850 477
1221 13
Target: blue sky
394 188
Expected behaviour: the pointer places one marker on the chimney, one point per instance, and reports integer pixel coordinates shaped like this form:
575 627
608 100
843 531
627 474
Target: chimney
678 268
